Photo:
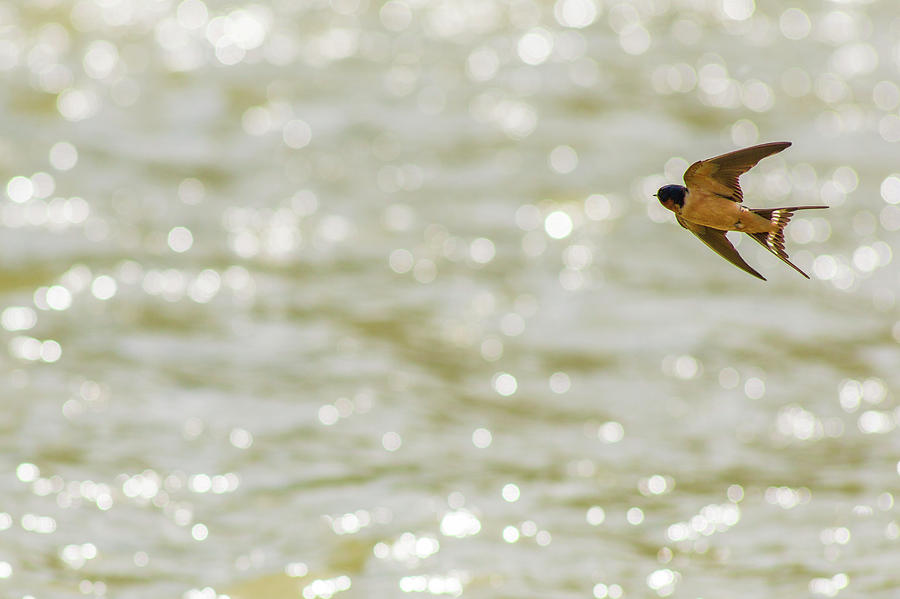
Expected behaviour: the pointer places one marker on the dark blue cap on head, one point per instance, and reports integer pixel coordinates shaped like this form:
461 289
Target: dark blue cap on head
673 193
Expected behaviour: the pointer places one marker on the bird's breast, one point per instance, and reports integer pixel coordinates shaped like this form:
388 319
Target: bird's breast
721 213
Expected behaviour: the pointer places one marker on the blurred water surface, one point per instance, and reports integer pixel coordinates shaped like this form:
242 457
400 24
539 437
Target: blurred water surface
371 299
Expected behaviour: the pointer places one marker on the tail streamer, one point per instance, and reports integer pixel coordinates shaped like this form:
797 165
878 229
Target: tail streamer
774 240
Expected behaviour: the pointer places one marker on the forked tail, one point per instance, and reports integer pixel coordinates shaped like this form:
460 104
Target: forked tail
774 241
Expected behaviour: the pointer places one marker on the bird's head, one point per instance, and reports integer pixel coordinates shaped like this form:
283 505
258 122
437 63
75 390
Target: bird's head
671 196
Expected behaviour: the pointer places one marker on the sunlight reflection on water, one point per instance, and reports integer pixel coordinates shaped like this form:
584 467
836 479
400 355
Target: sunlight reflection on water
343 297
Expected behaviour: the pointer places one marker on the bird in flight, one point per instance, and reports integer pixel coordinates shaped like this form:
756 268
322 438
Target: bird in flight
710 204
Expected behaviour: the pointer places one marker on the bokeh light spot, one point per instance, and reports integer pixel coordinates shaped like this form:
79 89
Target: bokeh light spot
611 432
575 13
180 239
297 134
505 384
563 159
482 438
510 493
595 515
535 46
391 441
560 382
794 24
558 224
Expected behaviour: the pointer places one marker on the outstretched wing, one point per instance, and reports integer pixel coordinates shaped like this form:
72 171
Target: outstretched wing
718 242
719 175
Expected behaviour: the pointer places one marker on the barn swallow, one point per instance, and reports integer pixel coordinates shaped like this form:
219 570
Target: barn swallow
711 204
